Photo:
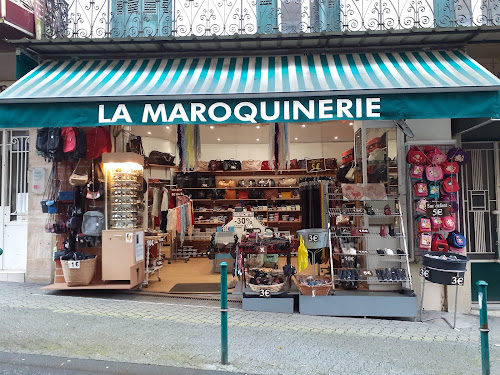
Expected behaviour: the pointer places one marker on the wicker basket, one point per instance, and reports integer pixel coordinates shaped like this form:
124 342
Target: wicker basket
271 288
79 276
319 290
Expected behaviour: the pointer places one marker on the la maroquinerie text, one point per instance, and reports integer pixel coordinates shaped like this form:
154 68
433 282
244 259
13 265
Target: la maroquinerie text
245 111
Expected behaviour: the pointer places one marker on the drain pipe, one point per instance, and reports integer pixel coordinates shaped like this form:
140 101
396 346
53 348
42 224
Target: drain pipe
483 326
223 311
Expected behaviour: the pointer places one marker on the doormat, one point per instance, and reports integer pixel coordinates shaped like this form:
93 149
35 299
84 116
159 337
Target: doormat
210 288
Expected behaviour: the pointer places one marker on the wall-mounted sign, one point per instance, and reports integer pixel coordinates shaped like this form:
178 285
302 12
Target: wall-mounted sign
315 165
38 180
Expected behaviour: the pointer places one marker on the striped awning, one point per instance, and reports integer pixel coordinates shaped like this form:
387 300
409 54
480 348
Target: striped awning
251 77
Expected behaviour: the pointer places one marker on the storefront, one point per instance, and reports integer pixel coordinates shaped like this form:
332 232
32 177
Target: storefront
374 233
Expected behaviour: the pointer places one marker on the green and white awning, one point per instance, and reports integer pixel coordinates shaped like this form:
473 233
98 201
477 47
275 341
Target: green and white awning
421 84
253 76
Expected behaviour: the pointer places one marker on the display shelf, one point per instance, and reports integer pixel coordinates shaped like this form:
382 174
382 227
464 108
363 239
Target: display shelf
161 166
379 212
270 172
241 188
283 222
249 200
209 223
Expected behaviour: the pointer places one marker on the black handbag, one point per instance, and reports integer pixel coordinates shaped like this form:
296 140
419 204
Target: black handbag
161 158
184 180
231 165
255 194
205 181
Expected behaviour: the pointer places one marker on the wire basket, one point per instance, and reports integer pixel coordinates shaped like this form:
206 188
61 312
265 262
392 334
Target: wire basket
315 238
271 288
313 290
79 276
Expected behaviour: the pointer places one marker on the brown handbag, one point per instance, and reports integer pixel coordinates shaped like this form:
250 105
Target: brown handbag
271 193
286 194
331 163
230 194
290 181
251 165
215 165
201 166
226 183
294 164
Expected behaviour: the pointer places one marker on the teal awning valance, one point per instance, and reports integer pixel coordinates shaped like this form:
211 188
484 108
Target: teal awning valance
318 87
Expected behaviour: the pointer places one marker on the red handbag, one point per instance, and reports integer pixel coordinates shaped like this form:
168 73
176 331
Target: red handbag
265 166
436 156
449 186
243 194
450 167
439 243
416 156
294 164
348 156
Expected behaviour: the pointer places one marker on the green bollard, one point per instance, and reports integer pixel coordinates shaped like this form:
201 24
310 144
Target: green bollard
483 326
223 311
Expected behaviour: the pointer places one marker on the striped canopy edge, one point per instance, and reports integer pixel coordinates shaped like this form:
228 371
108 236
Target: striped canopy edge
257 76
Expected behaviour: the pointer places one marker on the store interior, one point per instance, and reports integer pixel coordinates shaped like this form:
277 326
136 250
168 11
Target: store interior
188 266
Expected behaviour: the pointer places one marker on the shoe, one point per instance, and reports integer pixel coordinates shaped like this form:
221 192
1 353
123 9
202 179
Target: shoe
394 276
398 274
387 210
388 274
392 231
403 275
381 252
389 251
400 252
369 210
380 277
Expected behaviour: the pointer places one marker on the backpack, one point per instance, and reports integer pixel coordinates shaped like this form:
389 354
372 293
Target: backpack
69 135
42 136
98 141
93 223
81 146
49 145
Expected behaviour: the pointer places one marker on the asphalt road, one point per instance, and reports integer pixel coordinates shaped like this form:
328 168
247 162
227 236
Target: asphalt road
32 364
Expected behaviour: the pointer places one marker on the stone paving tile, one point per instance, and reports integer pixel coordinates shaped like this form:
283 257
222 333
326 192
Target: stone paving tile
180 332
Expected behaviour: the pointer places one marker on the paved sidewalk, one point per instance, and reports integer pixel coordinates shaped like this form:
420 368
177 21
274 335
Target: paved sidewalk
186 333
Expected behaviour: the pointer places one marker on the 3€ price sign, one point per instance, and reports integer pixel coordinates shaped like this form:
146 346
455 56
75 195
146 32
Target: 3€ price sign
315 165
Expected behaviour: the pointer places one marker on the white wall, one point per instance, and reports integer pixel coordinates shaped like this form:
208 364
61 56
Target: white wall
156 144
430 129
261 151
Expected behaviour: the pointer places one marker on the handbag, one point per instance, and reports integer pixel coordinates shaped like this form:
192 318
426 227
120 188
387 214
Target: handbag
435 155
450 167
92 223
421 206
302 164
265 166
423 225
439 243
226 183
417 172
255 194
456 239
66 195
420 189
449 186
433 173
51 206
271 194
205 181
436 222
266 182
331 163
294 164
242 194
230 194
251 165
416 156
286 182
350 174
347 156
231 165
286 194
201 166
433 189
448 224
80 175
215 165
424 241
95 187
458 155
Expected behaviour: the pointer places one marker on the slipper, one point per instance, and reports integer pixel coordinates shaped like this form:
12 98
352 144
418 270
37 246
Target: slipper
369 210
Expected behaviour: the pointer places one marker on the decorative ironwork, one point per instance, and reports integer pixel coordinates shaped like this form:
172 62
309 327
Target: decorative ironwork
144 18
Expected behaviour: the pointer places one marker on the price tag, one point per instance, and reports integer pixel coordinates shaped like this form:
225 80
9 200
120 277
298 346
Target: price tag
363 230
175 192
150 243
74 264
312 237
262 250
457 280
437 209
366 273
315 165
266 293
424 272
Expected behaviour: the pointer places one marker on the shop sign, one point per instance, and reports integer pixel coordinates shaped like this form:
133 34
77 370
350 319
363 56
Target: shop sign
315 165
239 111
437 209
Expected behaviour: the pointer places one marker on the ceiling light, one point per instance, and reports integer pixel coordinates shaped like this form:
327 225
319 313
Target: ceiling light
168 127
218 139
296 139
303 125
258 126
336 137
257 139
211 126
351 123
149 133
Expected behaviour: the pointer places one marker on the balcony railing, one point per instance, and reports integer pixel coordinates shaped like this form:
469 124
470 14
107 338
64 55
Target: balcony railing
144 18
